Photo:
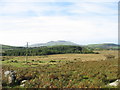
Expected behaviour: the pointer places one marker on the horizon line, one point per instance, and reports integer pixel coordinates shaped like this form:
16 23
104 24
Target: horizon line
61 40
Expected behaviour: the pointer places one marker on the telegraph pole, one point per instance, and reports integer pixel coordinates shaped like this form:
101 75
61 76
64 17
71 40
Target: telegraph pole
26 59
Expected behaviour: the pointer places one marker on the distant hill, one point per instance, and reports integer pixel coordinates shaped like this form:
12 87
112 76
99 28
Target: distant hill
103 46
53 43
57 43
8 47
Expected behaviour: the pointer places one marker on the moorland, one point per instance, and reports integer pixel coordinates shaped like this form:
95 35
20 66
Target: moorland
62 66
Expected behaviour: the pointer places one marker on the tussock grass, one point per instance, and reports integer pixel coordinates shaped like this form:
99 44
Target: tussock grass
64 70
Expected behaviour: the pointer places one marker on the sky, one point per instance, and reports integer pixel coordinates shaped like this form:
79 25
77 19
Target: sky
40 21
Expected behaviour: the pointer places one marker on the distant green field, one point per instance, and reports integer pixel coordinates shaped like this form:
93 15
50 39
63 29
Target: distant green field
110 46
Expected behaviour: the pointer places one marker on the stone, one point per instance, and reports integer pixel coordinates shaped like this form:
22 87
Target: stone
115 83
10 76
22 85
23 81
6 73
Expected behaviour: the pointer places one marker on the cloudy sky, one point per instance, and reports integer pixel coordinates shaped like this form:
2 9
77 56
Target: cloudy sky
40 21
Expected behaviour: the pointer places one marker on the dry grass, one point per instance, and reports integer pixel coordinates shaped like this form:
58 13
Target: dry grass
64 70
47 59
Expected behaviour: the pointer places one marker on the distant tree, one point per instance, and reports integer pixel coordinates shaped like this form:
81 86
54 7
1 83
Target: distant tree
48 50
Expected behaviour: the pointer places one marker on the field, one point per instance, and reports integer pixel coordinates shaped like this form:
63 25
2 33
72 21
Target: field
63 70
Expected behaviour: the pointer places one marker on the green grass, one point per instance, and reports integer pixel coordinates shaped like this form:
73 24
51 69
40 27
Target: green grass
28 63
15 64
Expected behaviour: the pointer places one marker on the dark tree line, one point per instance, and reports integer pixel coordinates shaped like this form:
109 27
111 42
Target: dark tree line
44 50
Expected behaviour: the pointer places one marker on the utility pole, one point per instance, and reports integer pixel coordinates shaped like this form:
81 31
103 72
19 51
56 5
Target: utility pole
26 59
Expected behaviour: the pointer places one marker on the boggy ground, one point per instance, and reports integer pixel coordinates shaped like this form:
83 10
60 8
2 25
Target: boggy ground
63 70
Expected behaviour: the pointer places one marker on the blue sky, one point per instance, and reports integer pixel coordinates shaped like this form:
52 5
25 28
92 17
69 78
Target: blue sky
40 21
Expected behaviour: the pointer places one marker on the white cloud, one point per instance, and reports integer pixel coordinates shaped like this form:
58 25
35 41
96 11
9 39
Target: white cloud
41 9
95 8
80 28
42 29
60 0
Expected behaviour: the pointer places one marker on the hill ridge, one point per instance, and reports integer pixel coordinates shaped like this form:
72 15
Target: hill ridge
54 43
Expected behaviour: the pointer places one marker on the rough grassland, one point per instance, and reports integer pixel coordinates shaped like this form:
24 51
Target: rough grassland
63 70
